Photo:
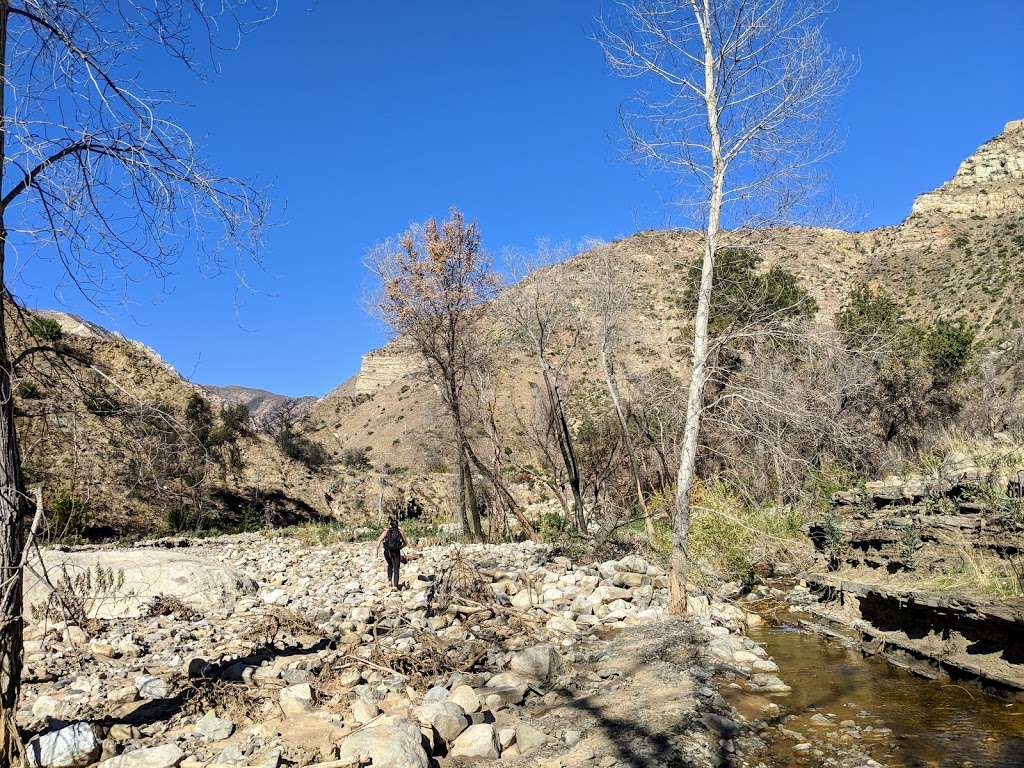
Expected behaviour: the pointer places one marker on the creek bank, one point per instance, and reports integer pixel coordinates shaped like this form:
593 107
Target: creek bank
915 568
491 652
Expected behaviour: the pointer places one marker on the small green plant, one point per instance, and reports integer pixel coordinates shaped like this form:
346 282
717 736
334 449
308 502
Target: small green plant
69 517
29 390
46 329
909 544
834 544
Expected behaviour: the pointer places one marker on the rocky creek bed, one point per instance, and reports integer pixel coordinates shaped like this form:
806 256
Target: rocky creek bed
264 652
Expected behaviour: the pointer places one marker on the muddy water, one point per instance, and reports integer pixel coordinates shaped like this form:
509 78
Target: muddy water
897 718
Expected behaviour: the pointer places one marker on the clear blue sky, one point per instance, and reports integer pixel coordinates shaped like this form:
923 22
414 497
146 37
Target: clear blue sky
366 116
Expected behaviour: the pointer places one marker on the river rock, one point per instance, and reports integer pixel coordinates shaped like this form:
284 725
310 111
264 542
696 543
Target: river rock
529 738
448 719
71 747
150 687
465 697
213 728
166 756
387 742
480 740
509 686
538 663
296 699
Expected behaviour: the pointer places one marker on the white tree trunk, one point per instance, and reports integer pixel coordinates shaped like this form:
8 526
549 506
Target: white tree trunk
679 561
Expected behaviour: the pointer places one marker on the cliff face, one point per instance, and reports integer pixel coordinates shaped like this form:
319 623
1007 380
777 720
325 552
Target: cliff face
382 367
988 183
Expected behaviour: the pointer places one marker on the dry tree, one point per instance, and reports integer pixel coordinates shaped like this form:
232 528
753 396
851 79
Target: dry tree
732 105
541 315
96 175
435 282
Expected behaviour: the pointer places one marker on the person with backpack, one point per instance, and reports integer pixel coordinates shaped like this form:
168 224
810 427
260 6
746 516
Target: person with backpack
393 539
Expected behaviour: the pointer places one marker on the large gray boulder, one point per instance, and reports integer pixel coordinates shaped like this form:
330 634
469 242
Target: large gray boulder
386 742
448 719
138 576
166 756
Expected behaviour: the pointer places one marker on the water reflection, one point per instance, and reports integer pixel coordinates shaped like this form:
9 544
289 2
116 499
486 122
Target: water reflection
897 718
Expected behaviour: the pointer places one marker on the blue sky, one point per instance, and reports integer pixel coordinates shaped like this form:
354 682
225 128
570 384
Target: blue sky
367 116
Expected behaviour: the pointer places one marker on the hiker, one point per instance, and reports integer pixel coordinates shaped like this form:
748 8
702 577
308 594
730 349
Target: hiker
393 540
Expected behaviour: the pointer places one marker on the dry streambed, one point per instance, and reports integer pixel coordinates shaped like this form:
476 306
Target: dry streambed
249 651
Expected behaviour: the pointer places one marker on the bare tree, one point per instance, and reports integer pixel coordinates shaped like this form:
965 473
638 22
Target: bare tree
734 100
541 313
436 281
96 174
610 299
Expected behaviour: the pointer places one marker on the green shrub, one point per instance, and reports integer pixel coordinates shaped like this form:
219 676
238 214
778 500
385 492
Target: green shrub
303 450
46 329
29 390
745 296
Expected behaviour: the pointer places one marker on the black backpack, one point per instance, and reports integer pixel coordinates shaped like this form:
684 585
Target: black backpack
393 539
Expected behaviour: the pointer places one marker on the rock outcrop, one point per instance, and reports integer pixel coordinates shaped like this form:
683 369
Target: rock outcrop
988 183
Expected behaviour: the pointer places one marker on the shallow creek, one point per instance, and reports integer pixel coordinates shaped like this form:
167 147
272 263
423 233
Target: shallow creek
844 700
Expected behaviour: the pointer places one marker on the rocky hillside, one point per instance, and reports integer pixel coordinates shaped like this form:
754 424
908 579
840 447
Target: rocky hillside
960 253
102 427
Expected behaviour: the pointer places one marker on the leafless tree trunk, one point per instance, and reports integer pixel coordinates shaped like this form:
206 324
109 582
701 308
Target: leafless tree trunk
609 295
539 314
12 492
737 90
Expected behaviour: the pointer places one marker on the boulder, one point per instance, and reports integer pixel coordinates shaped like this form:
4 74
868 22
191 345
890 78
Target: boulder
562 625
449 720
213 728
479 740
296 699
166 756
71 747
141 575
364 709
509 686
465 697
529 738
632 564
387 742
628 579
540 663
150 687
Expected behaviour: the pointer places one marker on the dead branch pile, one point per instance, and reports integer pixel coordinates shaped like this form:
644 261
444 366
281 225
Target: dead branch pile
429 660
169 605
458 584
276 623
234 701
